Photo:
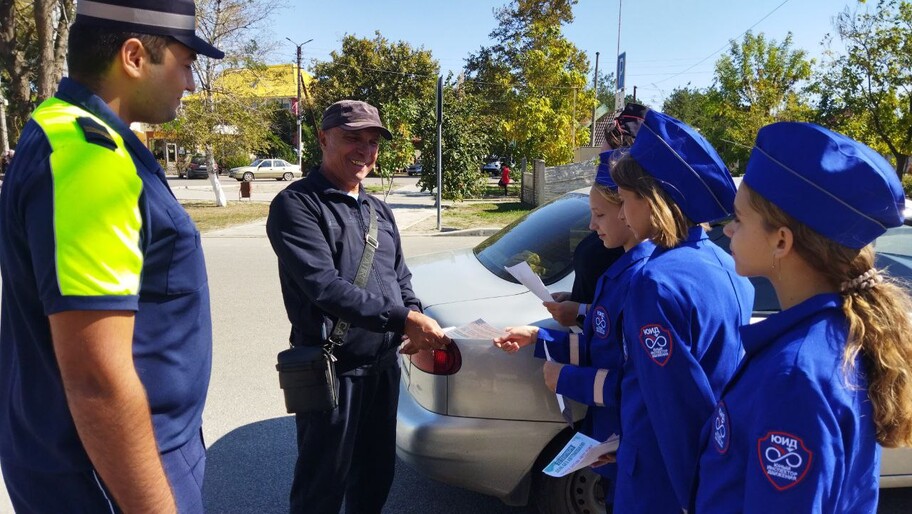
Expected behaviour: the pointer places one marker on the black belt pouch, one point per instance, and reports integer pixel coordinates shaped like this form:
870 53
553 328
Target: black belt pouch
307 376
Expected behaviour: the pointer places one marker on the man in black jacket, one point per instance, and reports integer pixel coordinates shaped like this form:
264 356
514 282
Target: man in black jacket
317 227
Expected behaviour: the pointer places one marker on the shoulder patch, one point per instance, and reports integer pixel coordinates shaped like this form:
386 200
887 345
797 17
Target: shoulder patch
657 342
600 322
721 428
96 133
783 459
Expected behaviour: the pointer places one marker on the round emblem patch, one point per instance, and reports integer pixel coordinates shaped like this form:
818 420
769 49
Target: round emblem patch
600 322
783 459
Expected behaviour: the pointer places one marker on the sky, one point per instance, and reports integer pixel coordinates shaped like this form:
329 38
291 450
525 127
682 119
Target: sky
668 43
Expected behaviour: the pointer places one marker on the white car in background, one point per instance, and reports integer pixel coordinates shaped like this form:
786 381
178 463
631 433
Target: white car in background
477 418
278 169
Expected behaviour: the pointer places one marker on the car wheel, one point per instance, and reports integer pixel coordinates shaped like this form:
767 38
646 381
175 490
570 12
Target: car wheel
287 176
580 492
248 177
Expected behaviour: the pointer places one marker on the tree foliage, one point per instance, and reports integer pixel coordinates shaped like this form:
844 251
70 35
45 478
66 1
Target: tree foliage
866 92
33 42
220 119
759 82
466 138
535 82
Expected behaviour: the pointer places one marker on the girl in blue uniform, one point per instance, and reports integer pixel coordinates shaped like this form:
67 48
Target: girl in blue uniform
591 363
828 378
682 314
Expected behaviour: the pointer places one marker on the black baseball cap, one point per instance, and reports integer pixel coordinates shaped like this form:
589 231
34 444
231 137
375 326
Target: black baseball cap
353 115
175 18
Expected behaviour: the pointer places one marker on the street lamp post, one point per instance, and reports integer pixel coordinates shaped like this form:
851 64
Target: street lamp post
299 114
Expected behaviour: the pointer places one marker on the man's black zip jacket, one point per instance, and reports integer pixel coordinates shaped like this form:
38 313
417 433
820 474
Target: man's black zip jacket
318 233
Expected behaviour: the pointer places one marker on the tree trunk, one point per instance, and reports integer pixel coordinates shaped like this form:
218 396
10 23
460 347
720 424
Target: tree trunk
13 41
220 198
903 165
45 82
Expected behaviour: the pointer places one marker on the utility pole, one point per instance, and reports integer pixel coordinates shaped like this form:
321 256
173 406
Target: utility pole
594 107
299 114
439 150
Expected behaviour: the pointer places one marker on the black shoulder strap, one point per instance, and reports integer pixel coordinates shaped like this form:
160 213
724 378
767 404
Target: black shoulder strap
370 246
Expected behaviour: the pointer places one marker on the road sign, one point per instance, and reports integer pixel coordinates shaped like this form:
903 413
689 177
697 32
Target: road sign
622 65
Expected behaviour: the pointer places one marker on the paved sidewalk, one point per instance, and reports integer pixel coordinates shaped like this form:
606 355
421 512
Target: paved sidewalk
410 207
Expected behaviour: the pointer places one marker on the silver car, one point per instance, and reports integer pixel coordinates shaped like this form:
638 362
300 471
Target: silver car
278 169
475 417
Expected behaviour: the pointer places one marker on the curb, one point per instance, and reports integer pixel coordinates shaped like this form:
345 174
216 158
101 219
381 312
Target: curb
473 232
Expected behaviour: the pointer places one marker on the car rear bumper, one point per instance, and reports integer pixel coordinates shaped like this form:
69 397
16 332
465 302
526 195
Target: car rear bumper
489 456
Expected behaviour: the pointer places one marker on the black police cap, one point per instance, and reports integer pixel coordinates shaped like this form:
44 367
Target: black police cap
175 18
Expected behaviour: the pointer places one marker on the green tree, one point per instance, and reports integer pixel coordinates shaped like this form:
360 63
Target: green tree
702 109
759 82
33 43
606 89
220 118
535 81
866 92
466 139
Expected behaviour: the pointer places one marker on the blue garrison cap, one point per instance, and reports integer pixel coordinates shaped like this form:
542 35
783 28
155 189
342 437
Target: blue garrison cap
840 188
603 172
685 166
175 18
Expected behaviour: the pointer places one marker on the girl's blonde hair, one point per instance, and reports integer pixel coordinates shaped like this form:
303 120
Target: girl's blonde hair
608 194
878 319
670 223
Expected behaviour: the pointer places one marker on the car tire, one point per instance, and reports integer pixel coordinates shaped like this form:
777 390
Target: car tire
580 492
287 176
248 177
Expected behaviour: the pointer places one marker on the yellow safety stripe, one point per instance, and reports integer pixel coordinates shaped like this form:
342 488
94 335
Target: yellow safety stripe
97 220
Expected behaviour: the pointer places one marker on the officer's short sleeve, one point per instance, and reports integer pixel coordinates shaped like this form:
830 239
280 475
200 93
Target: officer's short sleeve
83 222
793 447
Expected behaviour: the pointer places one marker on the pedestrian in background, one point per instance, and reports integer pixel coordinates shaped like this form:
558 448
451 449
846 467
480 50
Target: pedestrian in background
105 339
682 314
825 382
504 178
318 228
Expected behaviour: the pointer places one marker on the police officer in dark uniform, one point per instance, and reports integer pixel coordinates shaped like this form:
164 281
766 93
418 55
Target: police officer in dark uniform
105 336
317 227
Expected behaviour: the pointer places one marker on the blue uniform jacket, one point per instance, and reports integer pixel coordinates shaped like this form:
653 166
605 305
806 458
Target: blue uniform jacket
318 233
169 293
593 377
682 345
792 432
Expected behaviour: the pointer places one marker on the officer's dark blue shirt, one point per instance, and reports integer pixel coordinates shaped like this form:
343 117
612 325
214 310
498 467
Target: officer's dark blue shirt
318 233
792 432
88 222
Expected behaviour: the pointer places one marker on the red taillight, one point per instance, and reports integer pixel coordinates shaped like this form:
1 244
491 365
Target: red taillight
438 362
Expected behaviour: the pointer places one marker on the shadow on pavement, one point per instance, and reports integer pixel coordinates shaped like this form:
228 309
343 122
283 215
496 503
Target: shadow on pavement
250 468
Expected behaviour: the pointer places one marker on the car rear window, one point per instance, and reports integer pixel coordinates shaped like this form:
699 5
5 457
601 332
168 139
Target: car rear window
545 238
